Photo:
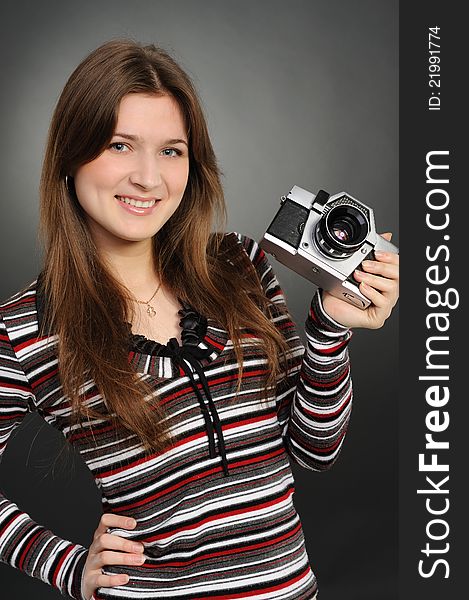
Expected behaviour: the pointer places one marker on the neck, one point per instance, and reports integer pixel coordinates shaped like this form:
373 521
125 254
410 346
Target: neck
132 264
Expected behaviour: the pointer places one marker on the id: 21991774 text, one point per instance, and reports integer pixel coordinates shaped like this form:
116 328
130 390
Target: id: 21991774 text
434 68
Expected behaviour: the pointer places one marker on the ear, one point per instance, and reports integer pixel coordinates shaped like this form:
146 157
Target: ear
387 236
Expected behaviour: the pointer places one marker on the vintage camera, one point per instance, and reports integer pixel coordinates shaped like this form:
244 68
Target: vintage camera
325 238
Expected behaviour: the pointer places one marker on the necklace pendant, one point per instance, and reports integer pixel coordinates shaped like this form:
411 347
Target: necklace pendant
151 311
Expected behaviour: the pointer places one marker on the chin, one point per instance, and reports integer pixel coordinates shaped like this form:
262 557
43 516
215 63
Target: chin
137 239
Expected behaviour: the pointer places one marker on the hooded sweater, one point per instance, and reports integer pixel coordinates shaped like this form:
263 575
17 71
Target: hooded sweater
214 510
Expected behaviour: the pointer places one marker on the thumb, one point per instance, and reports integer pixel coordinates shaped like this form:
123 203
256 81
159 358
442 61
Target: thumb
386 236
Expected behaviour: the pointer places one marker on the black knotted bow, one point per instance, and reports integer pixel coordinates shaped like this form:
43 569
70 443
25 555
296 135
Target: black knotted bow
187 356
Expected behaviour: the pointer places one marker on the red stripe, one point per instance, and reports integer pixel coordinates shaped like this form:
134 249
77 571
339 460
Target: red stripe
208 339
196 477
222 515
211 383
11 417
150 499
57 570
163 401
327 384
26 550
332 349
20 302
15 386
273 588
249 421
28 343
261 255
237 550
184 441
91 433
323 415
250 335
8 523
44 378
256 459
276 294
144 460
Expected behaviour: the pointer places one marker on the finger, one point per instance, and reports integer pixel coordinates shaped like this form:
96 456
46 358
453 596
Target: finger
389 270
383 284
376 297
100 561
110 580
111 541
108 557
386 236
110 520
390 257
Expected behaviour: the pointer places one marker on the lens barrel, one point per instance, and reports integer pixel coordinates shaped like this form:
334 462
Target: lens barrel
342 230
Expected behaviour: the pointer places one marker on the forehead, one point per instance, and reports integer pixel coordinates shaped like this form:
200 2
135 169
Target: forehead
150 116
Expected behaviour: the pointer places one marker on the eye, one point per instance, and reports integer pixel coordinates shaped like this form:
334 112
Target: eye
118 146
171 152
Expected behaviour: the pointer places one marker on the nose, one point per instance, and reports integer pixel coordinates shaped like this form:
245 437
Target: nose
146 173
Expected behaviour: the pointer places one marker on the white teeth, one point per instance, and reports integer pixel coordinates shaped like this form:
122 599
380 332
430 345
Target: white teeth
137 203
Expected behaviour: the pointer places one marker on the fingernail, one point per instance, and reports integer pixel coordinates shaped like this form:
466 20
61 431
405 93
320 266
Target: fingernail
138 559
380 254
137 548
131 522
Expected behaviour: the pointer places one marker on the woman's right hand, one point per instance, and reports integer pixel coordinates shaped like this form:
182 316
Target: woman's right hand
109 549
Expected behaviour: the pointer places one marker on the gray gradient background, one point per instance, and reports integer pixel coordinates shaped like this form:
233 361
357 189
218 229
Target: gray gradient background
295 92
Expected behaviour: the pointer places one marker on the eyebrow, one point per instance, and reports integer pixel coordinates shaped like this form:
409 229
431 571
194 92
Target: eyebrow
137 138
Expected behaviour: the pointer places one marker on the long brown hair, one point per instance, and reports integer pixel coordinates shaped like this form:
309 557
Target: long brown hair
87 308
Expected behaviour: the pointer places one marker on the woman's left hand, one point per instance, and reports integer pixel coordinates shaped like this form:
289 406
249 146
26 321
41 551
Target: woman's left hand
379 282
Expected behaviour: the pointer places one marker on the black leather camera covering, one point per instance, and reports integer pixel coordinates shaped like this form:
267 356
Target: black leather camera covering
289 222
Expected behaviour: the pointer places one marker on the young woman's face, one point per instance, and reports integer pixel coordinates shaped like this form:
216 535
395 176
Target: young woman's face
133 187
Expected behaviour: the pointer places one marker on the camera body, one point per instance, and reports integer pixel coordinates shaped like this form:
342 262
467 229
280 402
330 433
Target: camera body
325 238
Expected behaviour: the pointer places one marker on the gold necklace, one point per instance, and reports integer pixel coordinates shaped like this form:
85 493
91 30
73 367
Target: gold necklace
150 310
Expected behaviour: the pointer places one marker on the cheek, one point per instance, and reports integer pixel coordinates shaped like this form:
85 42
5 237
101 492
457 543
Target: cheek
84 189
181 179
177 187
94 176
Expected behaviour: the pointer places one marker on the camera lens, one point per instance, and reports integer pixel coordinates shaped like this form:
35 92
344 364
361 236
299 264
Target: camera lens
342 230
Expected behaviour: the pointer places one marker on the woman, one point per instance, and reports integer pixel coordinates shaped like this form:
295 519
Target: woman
165 354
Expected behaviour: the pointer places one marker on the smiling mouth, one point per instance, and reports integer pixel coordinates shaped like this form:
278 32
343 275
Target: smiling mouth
137 203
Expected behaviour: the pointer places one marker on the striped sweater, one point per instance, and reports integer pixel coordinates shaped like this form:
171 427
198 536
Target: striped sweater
215 510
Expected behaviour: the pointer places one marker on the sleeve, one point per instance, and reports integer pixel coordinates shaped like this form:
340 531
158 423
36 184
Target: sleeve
314 399
24 544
